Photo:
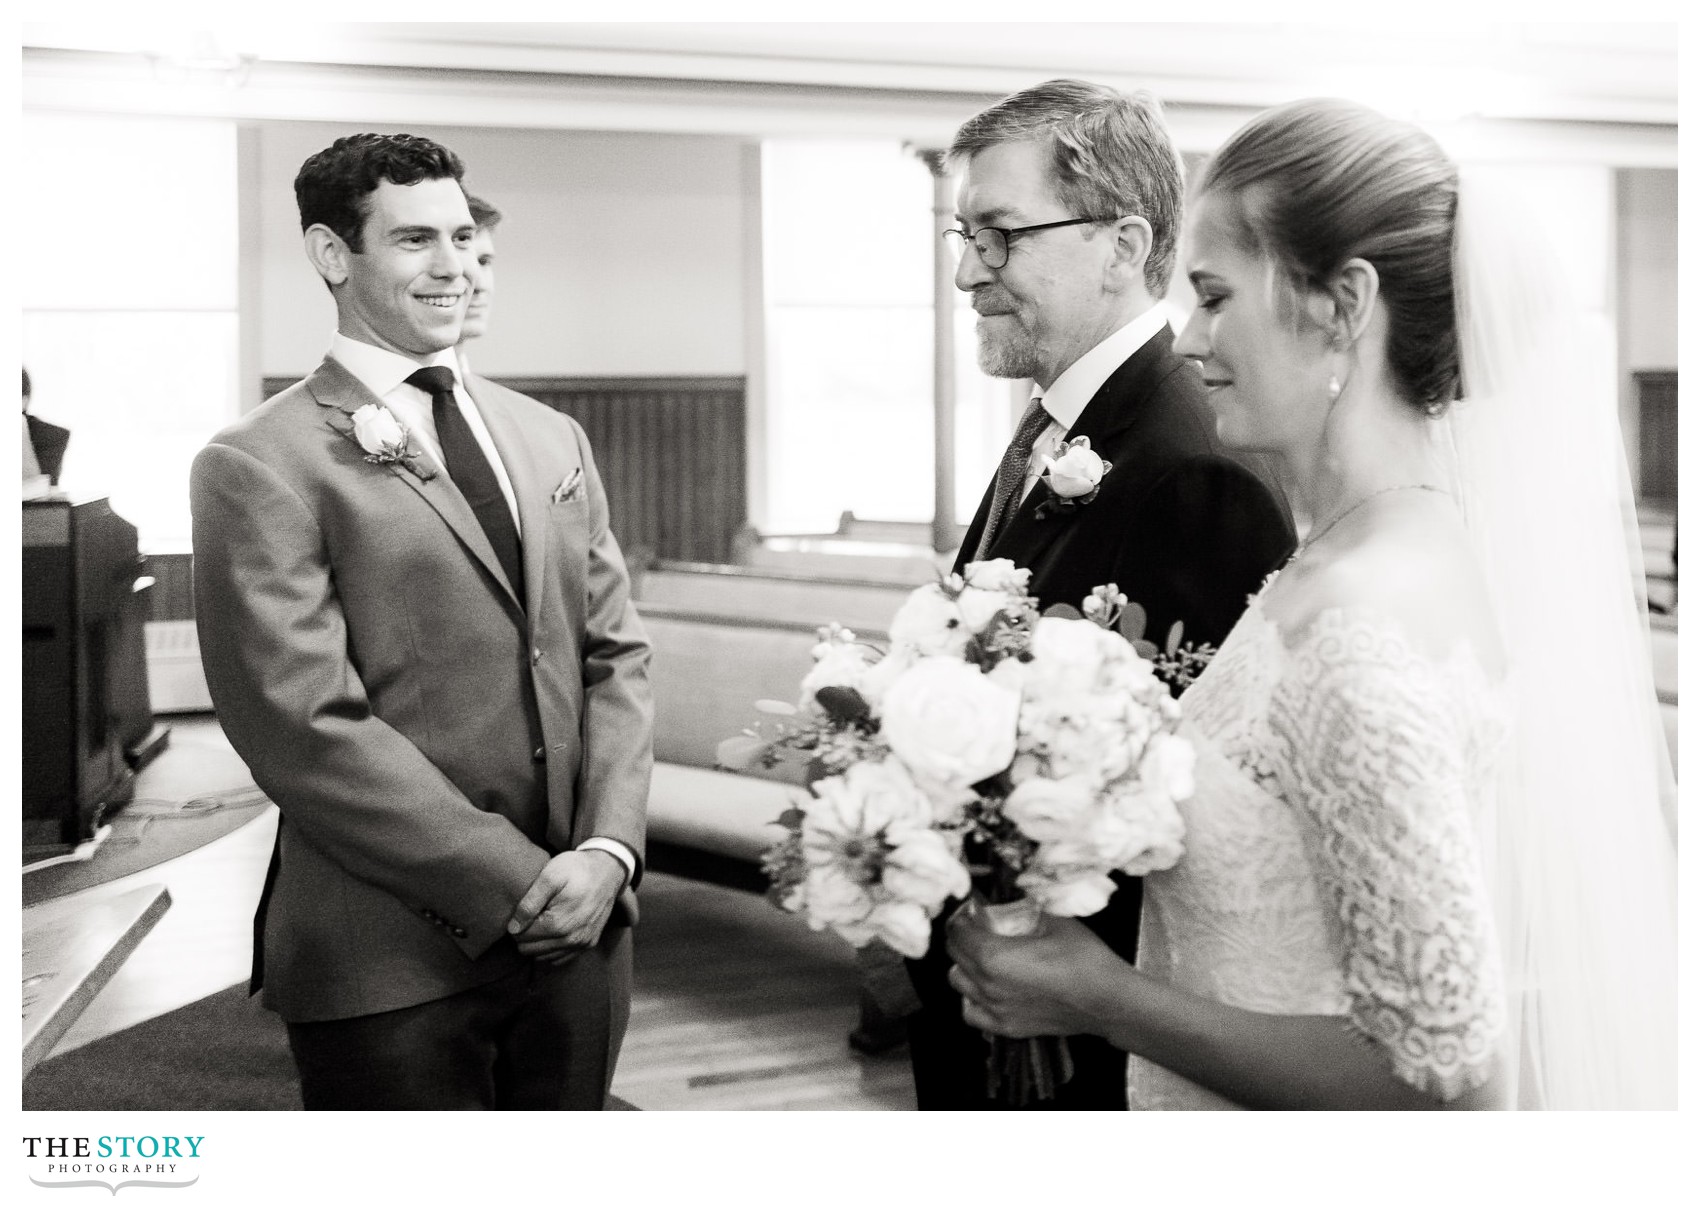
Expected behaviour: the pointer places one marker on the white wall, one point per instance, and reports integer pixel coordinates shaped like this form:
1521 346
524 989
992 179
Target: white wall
1646 202
1646 291
618 254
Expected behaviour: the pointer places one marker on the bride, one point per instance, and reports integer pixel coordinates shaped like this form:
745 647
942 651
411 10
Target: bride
1426 863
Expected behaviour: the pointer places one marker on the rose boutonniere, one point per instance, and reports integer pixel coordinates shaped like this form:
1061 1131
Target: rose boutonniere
1072 475
383 438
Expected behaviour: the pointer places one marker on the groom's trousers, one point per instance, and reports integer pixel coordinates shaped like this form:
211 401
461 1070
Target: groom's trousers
544 1038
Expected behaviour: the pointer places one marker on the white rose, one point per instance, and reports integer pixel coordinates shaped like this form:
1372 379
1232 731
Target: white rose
376 429
876 679
1078 734
924 869
1160 855
948 721
1001 576
1137 678
1024 767
1167 766
1082 853
978 607
930 623
948 799
1076 473
1011 674
1048 810
904 926
1067 653
1081 896
1141 833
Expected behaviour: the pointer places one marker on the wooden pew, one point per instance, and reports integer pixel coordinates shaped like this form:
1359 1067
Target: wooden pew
722 640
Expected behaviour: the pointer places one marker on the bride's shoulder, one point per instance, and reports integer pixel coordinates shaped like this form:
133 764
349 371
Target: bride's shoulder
1410 574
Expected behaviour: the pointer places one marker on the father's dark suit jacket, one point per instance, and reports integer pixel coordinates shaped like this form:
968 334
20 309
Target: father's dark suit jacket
1186 531
430 733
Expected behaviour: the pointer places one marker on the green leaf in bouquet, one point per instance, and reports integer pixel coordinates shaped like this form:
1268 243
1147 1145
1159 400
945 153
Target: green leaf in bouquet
1132 626
1174 640
740 752
775 707
1062 610
1146 649
791 818
843 704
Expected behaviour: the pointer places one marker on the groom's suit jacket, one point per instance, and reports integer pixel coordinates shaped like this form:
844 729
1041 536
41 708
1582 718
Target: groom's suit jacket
431 734
1186 531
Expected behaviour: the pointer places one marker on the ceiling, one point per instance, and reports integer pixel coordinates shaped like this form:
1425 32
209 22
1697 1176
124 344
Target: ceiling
1585 86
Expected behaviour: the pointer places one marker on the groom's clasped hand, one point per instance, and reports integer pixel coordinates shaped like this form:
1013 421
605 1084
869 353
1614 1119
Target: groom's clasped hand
567 907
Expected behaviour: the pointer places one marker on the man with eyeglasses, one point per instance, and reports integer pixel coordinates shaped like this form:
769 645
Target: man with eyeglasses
1069 206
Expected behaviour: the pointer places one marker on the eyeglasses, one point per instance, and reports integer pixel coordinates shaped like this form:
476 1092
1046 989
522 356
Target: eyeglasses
992 243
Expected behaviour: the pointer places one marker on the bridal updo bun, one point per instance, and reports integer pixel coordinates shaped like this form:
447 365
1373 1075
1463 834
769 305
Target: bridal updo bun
1319 182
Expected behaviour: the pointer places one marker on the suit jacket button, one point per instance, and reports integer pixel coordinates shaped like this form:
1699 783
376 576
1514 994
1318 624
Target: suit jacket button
537 754
536 656
458 932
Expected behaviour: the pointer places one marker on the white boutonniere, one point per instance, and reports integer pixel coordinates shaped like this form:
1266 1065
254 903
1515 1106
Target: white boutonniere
383 438
1072 475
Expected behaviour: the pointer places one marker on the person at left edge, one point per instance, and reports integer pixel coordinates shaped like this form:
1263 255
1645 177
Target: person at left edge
459 749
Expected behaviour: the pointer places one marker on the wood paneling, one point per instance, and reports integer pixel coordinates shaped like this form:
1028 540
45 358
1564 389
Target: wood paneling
1657 390
671 452
173 593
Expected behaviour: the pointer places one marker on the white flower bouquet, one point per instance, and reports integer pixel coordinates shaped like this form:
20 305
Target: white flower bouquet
994 750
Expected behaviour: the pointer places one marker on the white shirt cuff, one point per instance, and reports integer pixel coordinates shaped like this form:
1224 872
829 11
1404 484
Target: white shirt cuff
618 849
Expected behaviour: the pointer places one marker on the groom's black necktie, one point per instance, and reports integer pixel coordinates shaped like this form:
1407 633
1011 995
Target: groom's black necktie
1012 472
464 460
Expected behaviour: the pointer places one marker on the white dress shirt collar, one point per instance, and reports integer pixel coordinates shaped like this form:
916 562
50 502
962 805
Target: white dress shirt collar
381 370
1075 387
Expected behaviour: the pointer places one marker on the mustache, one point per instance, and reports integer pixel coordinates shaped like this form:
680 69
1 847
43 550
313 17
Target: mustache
992 302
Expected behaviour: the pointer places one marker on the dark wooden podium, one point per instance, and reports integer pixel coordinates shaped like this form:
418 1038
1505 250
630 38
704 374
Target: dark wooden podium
87 722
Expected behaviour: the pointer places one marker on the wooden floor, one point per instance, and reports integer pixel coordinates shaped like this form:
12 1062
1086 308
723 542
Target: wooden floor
735 1005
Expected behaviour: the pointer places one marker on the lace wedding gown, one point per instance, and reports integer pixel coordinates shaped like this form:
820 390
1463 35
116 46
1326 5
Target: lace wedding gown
1331 859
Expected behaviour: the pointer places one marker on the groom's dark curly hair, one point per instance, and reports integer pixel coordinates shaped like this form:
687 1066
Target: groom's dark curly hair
334 185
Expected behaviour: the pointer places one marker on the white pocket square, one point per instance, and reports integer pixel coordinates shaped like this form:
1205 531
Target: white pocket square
569 489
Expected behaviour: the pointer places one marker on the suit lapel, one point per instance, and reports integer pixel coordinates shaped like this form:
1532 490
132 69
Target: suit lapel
1113 408
334 387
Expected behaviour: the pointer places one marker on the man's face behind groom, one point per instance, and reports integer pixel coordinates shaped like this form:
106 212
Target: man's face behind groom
407 292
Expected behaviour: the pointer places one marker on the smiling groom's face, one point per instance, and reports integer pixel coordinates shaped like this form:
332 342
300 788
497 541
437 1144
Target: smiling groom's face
407 292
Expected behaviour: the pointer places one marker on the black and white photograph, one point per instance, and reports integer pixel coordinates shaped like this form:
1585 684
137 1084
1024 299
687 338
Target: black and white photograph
887 565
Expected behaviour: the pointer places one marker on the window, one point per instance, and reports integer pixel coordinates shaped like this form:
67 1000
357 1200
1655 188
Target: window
849 239
130 327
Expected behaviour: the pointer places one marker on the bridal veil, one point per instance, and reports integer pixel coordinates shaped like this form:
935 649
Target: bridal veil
1581 848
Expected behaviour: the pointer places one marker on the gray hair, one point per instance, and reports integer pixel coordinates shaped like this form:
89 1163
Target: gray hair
1111 155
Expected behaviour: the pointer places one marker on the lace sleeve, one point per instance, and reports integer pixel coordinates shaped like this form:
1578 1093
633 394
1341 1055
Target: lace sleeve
1387 754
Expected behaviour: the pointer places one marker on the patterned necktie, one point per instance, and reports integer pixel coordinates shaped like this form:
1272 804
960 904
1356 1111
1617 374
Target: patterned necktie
464 460
1012 472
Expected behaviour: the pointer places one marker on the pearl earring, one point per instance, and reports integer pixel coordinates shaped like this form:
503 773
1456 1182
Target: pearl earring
1333 388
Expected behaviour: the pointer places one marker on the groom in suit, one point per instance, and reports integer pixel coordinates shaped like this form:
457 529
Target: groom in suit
417 633
1069 206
